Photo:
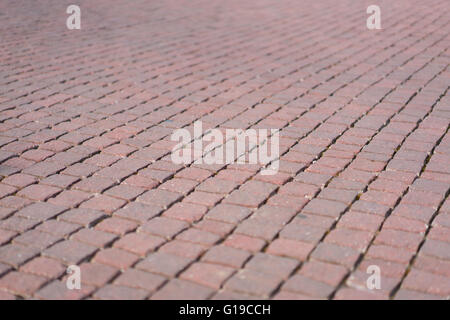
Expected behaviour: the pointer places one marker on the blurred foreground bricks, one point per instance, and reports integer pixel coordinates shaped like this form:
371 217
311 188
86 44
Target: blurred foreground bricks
86 176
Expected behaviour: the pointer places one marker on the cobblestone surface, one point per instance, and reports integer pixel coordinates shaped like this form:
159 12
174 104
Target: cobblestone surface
86 175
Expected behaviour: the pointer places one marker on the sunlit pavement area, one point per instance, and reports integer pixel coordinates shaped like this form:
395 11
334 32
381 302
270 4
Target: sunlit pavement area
87 179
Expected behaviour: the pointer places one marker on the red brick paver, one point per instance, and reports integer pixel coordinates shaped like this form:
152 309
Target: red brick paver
86 175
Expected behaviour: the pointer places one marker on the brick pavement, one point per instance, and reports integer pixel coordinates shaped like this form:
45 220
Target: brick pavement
86 117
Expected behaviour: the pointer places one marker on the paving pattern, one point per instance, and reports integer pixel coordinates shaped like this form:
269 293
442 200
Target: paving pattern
86 118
